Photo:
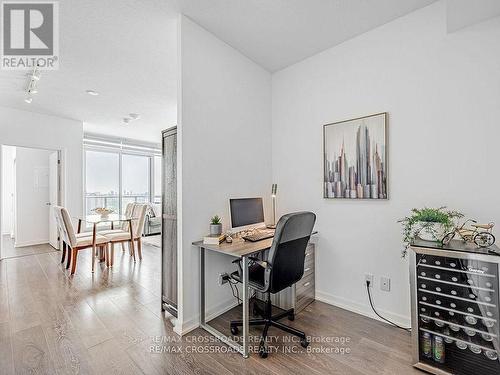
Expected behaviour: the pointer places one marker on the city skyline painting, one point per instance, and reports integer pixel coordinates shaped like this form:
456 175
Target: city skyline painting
355 158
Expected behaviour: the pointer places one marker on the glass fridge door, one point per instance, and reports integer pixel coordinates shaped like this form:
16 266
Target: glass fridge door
458 320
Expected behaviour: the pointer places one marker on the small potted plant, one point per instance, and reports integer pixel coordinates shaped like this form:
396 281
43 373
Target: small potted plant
215 225
429 224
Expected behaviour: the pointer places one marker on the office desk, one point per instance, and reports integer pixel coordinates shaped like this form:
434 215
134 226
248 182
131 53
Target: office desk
240 250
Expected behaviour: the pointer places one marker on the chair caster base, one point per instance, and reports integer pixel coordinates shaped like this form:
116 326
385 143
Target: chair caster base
304 343
263 351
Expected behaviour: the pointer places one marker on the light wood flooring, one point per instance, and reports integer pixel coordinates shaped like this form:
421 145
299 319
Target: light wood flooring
9 251
111 323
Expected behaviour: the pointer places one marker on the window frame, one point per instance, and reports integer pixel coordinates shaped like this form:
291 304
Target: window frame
150 154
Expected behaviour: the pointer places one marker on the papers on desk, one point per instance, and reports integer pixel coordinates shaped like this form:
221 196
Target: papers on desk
214 239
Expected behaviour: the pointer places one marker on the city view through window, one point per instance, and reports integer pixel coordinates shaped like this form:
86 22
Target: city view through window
103 187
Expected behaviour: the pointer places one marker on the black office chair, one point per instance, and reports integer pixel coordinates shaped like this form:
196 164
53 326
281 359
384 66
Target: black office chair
283 268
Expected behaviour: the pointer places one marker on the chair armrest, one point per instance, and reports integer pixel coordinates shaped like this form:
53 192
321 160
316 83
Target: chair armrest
263 264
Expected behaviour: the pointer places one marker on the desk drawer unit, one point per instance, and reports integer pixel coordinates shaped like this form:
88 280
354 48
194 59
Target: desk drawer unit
302 293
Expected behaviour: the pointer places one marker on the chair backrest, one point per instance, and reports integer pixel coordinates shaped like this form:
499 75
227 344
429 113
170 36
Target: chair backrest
65 225
56 210
128 214
288 250
139 218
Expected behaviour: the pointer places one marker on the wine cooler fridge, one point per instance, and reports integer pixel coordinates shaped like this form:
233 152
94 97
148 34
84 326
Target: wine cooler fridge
455 315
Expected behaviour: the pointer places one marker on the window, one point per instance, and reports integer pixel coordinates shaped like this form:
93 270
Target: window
102 180
157 180
135 179
118 173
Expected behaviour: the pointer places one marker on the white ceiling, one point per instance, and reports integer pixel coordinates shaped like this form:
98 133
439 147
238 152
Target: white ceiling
278 33
126 50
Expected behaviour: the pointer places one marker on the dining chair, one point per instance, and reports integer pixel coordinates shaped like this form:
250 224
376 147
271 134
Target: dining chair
76 241
64 237
130 235
123 225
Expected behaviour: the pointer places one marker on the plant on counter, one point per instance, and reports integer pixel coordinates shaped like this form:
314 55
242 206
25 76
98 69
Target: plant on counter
430 224
215 225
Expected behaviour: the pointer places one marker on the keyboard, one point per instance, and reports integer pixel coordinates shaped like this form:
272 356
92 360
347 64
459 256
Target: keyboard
259 235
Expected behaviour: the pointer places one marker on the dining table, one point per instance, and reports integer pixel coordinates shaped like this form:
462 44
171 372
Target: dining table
95 220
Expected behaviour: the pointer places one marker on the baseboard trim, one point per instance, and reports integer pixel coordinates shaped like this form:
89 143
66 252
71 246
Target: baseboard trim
30 243
343 303
212 313
362 309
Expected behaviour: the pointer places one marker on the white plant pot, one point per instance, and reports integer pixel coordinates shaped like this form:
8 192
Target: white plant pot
435 232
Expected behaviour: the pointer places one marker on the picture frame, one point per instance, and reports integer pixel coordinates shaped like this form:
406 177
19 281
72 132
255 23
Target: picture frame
355 158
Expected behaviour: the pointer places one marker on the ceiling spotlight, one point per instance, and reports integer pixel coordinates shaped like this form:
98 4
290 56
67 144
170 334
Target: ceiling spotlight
92 92
126 120
33 79
28 100
134 116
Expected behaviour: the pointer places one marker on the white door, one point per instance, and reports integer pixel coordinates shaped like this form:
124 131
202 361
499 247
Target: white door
53 197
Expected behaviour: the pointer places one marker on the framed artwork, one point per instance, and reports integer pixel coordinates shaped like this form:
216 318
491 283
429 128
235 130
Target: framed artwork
355 158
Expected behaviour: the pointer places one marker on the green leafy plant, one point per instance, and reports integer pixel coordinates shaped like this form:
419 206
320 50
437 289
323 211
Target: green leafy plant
425 218
215 220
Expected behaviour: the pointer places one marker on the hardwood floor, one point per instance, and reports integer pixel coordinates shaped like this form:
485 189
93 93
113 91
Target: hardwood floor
111 323
9 251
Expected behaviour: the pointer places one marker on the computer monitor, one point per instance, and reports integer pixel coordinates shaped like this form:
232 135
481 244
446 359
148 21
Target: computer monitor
246 213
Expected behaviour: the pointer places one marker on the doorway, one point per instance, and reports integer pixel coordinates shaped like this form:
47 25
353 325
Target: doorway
30 188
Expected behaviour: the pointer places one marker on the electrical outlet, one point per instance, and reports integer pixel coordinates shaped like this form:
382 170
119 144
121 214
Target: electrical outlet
385 284
369 277
222 279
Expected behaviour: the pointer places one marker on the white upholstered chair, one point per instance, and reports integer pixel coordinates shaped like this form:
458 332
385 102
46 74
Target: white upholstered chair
128 235
123 225
75 242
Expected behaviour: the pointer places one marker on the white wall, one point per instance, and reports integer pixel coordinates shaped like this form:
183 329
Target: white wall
463 13
32 194
8 155
225 146
442 93
28 129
